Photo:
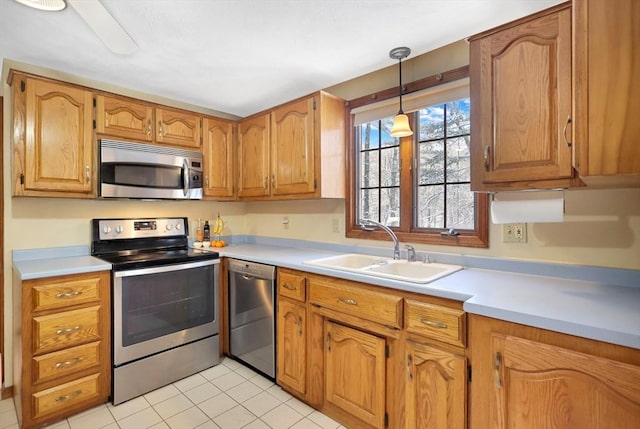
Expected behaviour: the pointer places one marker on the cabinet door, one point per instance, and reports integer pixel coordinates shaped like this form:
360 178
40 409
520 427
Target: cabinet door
253 157
538 386
521 102
355 373
292 148
292 351
121 117
436 388
607 91
217 150
59 138
177 127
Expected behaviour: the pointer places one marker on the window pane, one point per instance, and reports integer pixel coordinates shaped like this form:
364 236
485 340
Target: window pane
460 207
390 206
390 166
458 117
369 169
431 207
385 131
369 135
432 122
458 160
431 169
369 204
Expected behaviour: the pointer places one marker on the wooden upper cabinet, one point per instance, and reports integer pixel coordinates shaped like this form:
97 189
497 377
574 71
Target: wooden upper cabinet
253 157
540 386
217 151
304 150
124 117
53 139
521 103
292 148
607 92
178 127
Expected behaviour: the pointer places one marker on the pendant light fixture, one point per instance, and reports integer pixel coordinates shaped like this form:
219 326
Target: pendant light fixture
400 126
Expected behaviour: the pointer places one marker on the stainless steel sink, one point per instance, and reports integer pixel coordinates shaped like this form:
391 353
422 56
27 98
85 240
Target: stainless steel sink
414 272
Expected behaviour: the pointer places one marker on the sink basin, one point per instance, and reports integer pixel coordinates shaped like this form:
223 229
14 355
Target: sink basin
417 272
349 261
414 272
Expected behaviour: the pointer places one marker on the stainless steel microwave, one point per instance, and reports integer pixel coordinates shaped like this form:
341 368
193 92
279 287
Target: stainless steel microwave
143 171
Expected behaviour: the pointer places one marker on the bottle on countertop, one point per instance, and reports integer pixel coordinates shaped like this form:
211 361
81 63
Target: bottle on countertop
206 231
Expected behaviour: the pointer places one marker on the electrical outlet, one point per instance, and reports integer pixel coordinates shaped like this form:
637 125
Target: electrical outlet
514 233
335 225
285 222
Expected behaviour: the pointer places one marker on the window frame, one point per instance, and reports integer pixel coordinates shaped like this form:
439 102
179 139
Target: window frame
479 237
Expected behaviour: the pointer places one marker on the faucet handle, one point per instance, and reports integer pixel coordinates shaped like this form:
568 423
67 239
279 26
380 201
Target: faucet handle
411 252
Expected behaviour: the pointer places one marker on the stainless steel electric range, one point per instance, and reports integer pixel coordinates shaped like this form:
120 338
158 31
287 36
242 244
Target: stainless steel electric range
164 302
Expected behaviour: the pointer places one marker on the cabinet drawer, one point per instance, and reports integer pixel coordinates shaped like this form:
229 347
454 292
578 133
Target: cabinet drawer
367 304
65 329
50 294
292 285
67 361
67 395
435 321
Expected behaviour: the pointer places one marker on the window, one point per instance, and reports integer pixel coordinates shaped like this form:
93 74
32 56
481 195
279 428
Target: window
418 185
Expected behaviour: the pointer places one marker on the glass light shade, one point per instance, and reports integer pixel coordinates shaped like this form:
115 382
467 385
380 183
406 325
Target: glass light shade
50 5
401 126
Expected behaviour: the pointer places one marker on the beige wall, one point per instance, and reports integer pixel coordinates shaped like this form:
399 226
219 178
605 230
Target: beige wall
601 228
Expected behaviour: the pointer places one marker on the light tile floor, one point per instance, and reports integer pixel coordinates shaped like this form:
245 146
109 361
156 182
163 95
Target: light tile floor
226 396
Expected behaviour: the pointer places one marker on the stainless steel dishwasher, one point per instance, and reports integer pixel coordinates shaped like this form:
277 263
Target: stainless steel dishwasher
252 314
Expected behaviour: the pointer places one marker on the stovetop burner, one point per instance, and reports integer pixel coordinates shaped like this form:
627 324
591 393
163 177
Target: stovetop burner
136 243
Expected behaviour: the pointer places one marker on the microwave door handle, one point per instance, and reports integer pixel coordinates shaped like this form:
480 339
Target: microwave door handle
185 176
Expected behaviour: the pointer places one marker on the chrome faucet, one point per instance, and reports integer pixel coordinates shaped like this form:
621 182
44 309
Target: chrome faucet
396 243
411 253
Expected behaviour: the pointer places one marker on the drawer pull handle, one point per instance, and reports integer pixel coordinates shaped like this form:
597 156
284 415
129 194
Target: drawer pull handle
69 396
433 324
68 362
68 330
69 294
348 301
288 286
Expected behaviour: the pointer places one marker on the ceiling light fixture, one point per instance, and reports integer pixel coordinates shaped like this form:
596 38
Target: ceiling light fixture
49 5
400 126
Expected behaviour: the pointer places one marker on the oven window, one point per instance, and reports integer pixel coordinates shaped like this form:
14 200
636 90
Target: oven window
142 175
154 305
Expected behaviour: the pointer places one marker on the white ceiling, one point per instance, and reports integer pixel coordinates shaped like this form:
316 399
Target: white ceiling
243 56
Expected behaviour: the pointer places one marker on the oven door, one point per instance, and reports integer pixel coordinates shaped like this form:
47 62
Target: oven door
158 308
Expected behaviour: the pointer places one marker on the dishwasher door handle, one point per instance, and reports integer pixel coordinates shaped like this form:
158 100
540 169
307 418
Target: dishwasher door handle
248 277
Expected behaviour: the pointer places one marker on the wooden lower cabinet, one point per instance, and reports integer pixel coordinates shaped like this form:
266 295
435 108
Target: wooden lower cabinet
436 392
355 378
292 346
62 349
528 378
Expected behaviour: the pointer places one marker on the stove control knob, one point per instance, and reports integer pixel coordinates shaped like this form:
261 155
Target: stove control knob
178 226
106 230
169 227
119 229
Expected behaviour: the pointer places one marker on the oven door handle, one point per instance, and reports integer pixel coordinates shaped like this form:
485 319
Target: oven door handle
186 177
